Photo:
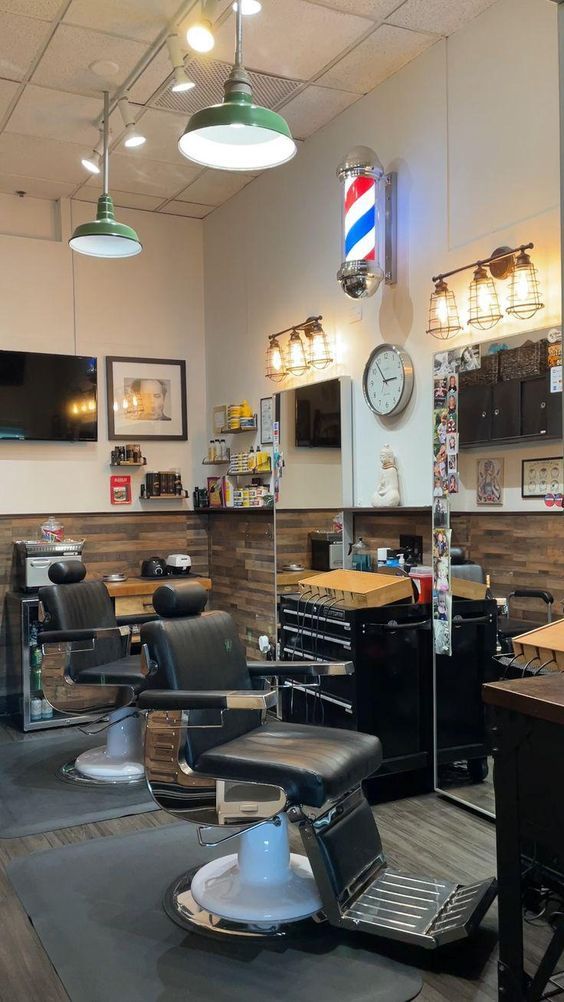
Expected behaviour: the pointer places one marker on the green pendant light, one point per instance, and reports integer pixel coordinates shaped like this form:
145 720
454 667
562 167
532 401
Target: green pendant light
237 135
104 236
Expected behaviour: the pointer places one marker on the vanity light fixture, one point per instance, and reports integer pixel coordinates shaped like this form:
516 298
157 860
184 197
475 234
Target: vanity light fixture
275 367
93 162
505 262
444 321
104 236
296 358
200 35
181 81
484 303
237 135
133 137
524 292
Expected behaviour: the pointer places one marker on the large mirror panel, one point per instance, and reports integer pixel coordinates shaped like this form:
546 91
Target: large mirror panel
508 461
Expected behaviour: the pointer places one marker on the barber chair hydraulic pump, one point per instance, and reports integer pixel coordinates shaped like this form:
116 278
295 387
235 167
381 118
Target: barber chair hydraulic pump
208 733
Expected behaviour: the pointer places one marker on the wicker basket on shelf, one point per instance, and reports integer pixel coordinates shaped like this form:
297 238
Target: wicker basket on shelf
487 373
526 361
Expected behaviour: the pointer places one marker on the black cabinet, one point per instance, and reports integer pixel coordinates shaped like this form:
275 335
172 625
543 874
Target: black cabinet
509 411
541 409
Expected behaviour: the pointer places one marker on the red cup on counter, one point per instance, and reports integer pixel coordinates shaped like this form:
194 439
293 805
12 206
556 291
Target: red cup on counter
422 577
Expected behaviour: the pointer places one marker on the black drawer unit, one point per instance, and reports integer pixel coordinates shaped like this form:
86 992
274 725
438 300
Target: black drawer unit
391 691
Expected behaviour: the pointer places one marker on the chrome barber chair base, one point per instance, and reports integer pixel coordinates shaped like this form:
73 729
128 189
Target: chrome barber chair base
70 774
180 906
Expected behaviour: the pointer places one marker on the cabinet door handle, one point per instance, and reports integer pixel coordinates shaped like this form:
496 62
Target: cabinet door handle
543 405
496 411
484 413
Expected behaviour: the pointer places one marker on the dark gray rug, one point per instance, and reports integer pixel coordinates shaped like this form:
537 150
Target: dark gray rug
33 799
97 909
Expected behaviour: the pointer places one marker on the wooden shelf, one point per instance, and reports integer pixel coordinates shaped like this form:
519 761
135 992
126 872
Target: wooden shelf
238 431
235 511
216 462
250 473
116 466
164 497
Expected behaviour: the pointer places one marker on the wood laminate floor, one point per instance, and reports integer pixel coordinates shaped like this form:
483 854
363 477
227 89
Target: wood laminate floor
420 834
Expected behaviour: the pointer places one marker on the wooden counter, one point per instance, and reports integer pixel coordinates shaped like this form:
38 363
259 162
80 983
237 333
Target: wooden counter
541 697
146 586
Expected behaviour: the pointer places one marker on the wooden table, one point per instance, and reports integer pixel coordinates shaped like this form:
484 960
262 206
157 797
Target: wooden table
134 595
528 735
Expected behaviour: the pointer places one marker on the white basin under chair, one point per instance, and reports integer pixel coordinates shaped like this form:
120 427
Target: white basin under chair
87 668
214 756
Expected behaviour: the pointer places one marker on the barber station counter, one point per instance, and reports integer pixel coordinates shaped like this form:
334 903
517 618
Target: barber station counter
529 779
134 596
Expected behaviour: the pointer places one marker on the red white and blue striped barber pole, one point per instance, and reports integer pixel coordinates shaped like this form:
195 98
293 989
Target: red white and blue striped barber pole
360 273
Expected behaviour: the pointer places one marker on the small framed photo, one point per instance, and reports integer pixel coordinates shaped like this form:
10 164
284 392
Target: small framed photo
540 477
489 481
266 419
146 399
219 421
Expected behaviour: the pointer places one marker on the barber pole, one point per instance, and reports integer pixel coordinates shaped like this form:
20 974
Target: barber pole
360 273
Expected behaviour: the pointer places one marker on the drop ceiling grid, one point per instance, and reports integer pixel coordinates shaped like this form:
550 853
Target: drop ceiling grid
351 46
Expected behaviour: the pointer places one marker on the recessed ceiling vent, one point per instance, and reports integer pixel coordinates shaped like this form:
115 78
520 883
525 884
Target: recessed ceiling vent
209 75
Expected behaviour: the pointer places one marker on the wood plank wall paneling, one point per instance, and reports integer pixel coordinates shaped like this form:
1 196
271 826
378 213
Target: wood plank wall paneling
516 550
292 534
241 566
114 542
384 529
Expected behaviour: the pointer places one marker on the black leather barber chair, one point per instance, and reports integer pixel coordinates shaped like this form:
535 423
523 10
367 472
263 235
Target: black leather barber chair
87 667
509 627
207 725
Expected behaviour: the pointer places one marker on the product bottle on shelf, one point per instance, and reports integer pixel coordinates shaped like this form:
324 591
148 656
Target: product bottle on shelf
211 451
46 710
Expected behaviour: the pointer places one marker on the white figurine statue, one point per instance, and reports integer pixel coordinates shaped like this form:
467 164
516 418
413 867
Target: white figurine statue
387 494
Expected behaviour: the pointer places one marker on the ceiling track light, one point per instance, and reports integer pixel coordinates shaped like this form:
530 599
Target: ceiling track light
181 80
200 36
132 137
506 262
237 135
297 358
104 237
248 7
93 162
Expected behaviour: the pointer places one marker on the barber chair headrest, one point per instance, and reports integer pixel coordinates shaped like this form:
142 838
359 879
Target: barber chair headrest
183 598
67 572
457 555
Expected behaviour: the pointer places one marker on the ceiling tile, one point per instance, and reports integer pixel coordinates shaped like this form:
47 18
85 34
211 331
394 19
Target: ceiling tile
8 90
161 130
46 10
66 63
187 209
122 199
147 177
214 187
313 108
21 39
54 114
292 39
151 79
442 17
381 54
139 19
377 10
41 158
37 187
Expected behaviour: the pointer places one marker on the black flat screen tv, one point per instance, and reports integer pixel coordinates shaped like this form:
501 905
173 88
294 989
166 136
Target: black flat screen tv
318 415
48 398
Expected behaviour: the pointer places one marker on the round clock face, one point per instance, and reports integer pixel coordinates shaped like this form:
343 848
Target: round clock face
388 380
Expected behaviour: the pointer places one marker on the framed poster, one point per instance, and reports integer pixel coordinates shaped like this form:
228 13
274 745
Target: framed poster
540 477
120 489
219 419
146 399
489 481
266 419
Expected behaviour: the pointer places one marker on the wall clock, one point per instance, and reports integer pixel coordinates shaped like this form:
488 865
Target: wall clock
388 380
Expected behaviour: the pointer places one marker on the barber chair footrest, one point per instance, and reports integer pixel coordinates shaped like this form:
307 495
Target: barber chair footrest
425 911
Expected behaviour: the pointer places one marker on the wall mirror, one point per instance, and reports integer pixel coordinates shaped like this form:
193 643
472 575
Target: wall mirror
315 423
506 456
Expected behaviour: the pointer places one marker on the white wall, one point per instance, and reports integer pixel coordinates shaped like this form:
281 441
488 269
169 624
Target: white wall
56 301
472 128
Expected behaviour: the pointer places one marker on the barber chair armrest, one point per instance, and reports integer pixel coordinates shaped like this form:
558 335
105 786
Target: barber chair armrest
70 636
182 699
291 669
136 619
